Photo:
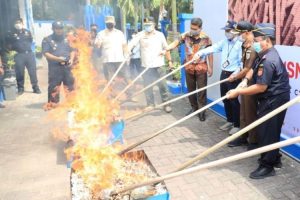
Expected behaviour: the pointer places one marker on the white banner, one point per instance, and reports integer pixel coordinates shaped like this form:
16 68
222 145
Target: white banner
291 59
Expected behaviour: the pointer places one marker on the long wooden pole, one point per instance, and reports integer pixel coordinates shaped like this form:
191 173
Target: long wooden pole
131 84
162 78
114 76
146 110
238 134
171 125
214 163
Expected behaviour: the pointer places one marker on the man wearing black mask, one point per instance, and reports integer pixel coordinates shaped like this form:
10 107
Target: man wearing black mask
60 57
196 73
21 41
113 48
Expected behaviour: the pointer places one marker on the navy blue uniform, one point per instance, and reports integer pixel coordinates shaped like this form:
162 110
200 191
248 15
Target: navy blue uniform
21 42
269 70
57 72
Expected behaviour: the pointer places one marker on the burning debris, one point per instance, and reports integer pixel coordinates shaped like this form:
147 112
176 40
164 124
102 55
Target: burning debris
135 165
90 118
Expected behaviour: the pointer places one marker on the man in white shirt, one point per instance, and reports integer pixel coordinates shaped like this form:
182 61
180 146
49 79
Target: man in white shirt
113 47
152 42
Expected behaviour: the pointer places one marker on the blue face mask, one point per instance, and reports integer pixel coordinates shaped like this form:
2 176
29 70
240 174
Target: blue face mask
148 28
257 47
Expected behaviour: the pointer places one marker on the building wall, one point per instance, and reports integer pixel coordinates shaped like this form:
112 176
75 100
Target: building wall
9 10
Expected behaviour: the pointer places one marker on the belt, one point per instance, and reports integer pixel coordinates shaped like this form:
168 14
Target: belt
25 52
226 72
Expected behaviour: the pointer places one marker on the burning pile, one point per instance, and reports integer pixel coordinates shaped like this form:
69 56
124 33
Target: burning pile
96 165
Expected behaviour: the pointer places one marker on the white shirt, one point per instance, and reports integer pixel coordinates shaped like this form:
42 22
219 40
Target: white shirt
112 45
150 46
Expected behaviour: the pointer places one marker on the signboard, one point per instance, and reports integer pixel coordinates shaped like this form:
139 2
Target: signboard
291 126
214 19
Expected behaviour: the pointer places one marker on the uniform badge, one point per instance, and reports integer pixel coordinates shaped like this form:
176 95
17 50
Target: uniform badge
260 70
248 54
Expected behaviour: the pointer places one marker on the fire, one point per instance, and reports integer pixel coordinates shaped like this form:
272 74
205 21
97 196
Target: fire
90 115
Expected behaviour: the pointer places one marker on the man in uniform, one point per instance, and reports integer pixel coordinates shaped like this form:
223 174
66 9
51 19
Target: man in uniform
21 41
60 57
152 42
231 59
248 103
271 84
196 72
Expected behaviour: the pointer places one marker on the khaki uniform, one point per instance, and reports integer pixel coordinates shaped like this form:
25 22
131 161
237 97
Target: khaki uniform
248 103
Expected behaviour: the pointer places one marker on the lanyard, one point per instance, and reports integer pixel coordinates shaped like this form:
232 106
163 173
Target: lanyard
229 51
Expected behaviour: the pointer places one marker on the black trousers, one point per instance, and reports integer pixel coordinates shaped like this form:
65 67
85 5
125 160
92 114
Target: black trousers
135 67
196 81
110 68
269 131
27 60
232 106
57 75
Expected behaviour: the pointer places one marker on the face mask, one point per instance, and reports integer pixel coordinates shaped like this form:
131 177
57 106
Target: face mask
110 26
257 47
18 26
148 28
241 39
229 35
194 32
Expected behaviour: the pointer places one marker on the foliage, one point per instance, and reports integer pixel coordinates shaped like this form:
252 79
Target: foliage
10 58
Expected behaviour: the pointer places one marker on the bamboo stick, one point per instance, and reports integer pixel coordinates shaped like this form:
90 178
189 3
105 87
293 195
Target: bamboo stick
114 76
162 78
131 84
216 163
130 147
238 134
146 110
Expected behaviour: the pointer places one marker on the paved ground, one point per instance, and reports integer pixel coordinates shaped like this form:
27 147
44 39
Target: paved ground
32 164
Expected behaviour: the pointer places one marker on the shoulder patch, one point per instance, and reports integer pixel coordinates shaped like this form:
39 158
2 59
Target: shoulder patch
248 54
260 69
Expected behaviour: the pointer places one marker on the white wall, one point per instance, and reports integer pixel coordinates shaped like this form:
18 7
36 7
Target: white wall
214 14
42 29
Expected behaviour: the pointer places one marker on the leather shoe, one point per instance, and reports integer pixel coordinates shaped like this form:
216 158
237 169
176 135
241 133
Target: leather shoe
201 117
37 90
262 172
237 142
20 91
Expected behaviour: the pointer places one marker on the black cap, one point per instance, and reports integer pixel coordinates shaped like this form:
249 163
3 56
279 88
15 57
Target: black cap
149 20
264 29
229 25
57 25
242 27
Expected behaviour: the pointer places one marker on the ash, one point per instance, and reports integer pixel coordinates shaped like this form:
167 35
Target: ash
131 168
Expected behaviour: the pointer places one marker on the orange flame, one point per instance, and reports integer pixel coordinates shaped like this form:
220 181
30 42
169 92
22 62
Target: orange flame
90 115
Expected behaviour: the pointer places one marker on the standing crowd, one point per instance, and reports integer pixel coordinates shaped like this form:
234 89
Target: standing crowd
256 81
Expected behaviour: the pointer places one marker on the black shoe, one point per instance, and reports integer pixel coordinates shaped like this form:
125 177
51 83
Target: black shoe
262 172
20 91
237 142
37 90
190 112
201 117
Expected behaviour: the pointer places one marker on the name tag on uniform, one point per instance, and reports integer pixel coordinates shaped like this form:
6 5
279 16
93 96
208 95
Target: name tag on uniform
226 64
